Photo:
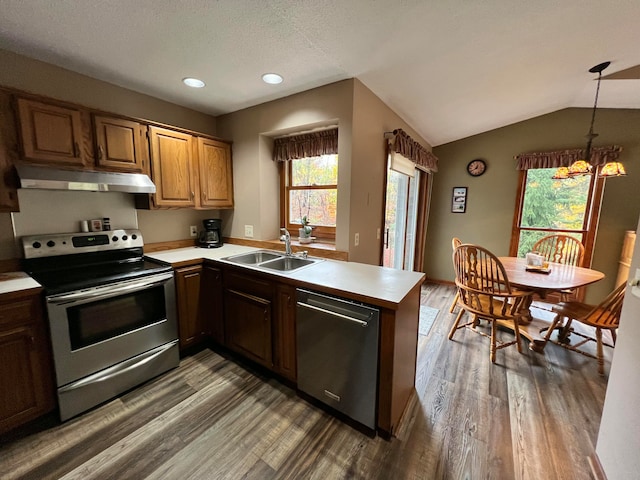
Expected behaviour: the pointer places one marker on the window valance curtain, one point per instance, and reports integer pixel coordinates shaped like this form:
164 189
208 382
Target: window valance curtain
409 148
564 158
311 144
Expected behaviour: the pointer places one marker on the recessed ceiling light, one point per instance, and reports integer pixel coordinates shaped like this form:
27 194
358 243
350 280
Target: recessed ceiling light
272 78
193 82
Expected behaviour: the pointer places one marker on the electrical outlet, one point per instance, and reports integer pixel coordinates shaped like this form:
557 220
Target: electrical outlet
248 231
193 231
356 240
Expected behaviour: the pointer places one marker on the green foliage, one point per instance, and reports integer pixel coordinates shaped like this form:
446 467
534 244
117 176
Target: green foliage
553 204
317 206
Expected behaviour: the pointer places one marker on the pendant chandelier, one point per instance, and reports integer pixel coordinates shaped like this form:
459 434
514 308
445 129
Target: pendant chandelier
584 166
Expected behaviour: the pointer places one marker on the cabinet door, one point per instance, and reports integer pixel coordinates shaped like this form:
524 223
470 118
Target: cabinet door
26 377
118 145
172 168
248 326
50 133
8 155
284 337
216 179
211 306
190 324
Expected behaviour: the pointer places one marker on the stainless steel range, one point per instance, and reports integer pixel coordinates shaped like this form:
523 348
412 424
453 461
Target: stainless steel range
112 313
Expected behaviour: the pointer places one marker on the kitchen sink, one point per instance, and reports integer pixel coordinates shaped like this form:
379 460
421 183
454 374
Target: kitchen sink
286 264
254 258
265 259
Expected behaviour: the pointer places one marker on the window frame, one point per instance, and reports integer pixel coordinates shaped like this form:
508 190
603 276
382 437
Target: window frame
589 226
319 231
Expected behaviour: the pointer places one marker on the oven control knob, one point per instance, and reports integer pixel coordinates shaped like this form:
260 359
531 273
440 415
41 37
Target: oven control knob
36 244
51 243
114 238
124 237
134 236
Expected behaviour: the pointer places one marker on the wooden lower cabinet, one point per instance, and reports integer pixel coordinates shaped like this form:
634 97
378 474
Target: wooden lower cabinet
191 325
211 302
248 326
284 335
26 374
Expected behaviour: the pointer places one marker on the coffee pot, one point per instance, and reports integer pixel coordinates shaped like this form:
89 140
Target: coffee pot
211 236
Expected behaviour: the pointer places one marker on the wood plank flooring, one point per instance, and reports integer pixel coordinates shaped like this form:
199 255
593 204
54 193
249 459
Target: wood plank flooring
528 416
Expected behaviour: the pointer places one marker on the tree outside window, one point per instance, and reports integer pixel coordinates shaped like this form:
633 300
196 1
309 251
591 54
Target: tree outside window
312 191
547 206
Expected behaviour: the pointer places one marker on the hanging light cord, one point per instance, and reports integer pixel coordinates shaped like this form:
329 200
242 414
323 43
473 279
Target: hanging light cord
591 135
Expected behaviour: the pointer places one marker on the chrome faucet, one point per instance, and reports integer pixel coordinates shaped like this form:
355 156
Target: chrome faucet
286 238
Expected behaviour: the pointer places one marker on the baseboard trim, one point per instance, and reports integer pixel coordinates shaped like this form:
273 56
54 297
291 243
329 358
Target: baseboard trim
596 467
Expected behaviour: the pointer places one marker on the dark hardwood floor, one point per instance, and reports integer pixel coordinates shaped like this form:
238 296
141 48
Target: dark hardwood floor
528 416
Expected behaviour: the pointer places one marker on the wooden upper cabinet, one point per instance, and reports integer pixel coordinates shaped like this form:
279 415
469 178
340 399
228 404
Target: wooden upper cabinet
172 168
118 144
50 133
216 179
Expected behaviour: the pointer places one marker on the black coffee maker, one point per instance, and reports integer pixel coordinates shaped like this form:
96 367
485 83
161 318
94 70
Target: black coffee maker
211 237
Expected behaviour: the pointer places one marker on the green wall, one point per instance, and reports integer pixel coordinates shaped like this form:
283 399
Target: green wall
491 197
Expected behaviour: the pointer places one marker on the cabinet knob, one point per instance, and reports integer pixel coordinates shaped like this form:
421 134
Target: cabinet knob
193 195
100 152
76 149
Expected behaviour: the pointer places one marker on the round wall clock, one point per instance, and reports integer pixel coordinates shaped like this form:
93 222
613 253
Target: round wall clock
476 167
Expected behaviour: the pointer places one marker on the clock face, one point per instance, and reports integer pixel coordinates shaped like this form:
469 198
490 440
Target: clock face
476 167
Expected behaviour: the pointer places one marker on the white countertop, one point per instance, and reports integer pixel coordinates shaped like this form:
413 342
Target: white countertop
388 285
14 281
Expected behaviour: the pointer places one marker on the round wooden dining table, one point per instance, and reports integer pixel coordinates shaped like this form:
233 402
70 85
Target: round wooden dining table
559 277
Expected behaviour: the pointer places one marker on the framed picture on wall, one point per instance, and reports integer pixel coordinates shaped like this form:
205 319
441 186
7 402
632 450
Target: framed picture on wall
459 200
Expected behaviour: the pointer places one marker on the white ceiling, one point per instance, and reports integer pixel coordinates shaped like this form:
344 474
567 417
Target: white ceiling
450 68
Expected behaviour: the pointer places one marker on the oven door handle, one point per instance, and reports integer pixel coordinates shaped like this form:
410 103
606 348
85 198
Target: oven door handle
111 290
119 369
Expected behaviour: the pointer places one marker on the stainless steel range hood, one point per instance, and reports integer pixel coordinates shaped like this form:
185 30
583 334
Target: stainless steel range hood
32 176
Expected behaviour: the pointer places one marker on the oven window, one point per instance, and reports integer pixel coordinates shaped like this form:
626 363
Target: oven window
94 322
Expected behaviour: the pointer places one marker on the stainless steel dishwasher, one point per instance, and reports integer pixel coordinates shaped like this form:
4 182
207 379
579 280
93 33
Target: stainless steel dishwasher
337 344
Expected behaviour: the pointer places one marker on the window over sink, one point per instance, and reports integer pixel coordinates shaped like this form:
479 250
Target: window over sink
311 191
309 181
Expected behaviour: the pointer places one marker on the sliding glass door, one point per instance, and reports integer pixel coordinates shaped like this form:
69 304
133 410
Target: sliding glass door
401 220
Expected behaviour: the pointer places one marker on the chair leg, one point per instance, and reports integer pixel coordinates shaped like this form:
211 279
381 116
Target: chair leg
565 331
455 302
600 352
455 324
550 330
493 342
516 330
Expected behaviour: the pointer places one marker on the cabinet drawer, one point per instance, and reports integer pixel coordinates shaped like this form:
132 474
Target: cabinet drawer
248 284
17 312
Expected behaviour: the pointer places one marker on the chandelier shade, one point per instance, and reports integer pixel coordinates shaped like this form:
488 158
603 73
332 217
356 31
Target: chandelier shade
613 169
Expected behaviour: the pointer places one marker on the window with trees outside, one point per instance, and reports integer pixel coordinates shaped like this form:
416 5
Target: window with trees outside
546 206
311 190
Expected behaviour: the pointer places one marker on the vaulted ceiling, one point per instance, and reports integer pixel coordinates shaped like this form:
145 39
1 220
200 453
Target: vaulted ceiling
450 68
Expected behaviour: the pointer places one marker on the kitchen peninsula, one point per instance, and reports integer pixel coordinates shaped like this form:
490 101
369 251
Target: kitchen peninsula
396 293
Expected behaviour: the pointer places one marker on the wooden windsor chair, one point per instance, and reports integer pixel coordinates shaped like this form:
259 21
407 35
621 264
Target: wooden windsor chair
604 316
485 293
563 249
455 242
